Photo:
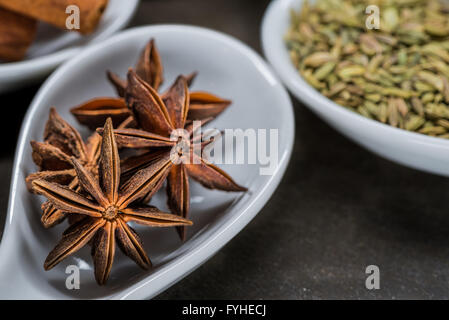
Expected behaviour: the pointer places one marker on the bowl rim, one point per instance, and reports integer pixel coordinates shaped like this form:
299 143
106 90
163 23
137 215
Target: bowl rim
52 60
178 268
273 49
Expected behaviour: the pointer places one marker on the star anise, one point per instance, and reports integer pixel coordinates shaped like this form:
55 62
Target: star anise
158 120
149 68
107 210
53 157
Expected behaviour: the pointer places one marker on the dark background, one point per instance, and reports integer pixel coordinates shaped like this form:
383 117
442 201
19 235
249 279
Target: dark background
338 209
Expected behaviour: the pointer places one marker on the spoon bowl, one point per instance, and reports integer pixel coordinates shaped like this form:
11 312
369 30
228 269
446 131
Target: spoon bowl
411 149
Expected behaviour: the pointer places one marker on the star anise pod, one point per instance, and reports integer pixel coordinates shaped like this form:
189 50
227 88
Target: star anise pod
53 157
93 113
107 210
158 120
149 68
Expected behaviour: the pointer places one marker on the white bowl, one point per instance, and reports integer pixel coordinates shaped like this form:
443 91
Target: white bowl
52 46
408 148
226 67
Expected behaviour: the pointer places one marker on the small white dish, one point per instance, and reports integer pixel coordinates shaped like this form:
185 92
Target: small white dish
408 148
52 46
226 67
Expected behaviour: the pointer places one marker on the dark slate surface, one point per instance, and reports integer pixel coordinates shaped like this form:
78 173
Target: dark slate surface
338 209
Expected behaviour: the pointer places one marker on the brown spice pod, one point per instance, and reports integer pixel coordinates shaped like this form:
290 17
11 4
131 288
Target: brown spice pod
16 35
54 11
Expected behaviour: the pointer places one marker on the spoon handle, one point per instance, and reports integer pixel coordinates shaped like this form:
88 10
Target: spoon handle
15 281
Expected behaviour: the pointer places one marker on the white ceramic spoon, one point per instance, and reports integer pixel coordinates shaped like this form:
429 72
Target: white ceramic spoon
226 67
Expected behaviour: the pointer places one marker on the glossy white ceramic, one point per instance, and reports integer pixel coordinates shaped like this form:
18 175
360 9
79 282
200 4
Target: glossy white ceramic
53 46
411 149
226 67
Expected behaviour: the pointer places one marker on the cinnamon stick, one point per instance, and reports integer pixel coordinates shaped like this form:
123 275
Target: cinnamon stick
16 35
54 11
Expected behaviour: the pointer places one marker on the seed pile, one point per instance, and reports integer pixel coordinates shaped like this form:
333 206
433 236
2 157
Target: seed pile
397 74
